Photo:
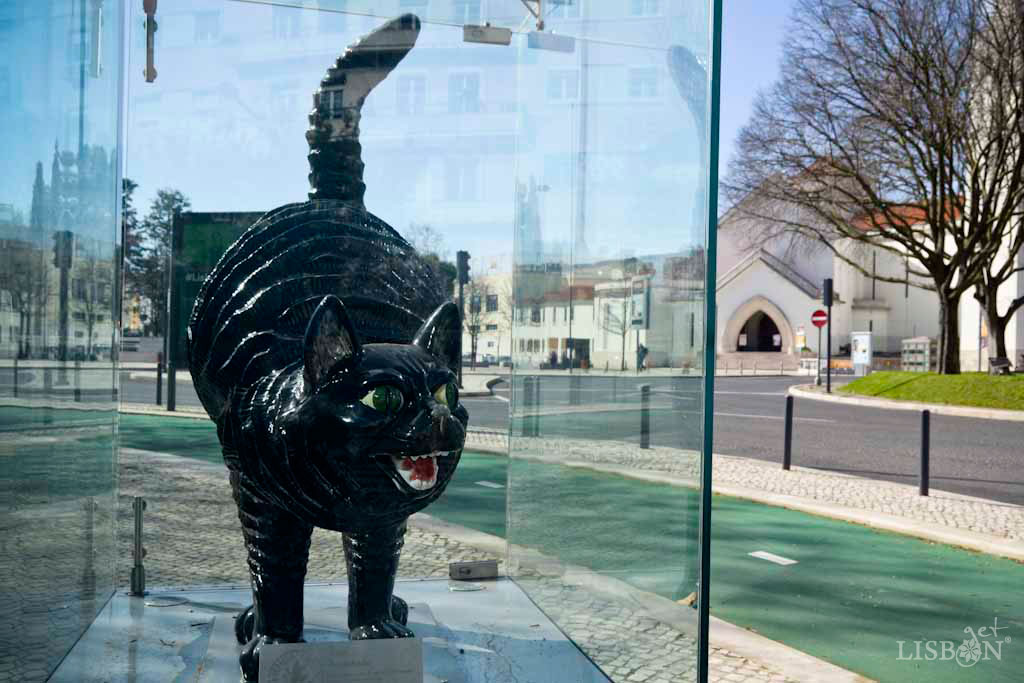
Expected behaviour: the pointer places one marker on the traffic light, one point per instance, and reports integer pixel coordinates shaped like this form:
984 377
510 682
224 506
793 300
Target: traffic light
63 242
826 292
462 266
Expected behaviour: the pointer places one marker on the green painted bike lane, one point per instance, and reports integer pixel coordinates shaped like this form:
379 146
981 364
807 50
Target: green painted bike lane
852 596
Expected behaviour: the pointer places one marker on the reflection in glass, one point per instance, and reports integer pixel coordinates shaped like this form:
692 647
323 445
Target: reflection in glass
59 285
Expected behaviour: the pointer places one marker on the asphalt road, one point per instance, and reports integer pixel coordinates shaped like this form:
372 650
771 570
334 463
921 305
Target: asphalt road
975 457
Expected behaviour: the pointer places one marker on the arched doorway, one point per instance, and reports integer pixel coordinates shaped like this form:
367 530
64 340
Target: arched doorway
770 315
759 333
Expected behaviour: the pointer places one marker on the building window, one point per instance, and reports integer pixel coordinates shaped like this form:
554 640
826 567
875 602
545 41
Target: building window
463 93
490 345
207 26
535 314
330 22
491 327
492 303
565 9
563 84
466 11
474 329
461 179
643 82
474 304
411 94
643 8
286 22
79 316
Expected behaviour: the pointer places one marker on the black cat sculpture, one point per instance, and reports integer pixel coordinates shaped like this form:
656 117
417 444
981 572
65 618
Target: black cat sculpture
321 346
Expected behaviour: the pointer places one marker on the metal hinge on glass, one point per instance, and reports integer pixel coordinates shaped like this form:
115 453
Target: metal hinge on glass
473 571
149 7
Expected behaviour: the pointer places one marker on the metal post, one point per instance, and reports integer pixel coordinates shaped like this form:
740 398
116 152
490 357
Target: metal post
159 378
78 380
172 385
645 416
138 577
817 374
925 450
462 326
536 404
787 450
828 356
527 400
15 374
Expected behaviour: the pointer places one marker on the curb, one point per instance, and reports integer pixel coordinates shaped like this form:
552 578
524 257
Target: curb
802 391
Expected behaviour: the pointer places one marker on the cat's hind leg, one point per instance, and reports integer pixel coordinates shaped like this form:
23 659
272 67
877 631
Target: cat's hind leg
278 546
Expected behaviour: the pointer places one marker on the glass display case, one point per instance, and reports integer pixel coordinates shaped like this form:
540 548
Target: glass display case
551 162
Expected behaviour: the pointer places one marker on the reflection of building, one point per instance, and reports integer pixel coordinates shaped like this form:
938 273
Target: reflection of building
32 299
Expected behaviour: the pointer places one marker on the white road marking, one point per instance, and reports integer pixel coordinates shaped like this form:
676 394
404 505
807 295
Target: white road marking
772 557
489 484
775 417
500 398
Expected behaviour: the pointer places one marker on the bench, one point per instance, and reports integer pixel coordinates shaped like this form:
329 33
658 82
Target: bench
999 366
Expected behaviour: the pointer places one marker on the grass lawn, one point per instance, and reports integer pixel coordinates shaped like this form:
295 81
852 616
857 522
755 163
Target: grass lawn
967 389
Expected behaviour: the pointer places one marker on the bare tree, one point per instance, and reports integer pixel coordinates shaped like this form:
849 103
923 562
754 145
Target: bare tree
94 290
476 291
1000 107
877 135
431 246
615 317
24 275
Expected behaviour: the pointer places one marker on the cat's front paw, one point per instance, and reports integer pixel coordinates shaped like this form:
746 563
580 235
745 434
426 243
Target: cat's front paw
384 628
399 610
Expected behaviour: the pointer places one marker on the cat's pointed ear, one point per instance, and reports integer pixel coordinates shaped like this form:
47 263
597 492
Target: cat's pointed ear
441 335
330 339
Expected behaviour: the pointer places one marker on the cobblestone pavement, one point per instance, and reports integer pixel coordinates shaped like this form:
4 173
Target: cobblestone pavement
193 538
951 510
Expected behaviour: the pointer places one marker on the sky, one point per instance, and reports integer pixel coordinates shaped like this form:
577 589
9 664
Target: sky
752 35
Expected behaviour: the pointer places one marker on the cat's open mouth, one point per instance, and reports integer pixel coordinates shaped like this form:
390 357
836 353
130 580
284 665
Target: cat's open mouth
419 471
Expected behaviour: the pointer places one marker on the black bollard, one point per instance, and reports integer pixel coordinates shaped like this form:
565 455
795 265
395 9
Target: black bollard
645 416
787 449
526 403
925 450
159 381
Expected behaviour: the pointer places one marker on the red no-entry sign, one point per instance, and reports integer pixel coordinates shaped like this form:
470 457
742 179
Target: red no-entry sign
819 318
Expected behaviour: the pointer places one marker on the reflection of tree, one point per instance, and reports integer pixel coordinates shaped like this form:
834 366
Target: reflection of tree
506 313
430 245
476 291
23 275
93 291
152 276
615 316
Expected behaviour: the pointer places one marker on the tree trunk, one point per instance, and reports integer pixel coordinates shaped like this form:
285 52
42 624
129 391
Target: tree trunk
949 334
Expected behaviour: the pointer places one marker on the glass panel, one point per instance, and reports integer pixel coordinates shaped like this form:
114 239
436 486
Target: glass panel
221 136
608 331
60 71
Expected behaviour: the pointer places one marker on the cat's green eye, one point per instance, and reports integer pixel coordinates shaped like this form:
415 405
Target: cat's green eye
385 399
447 394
